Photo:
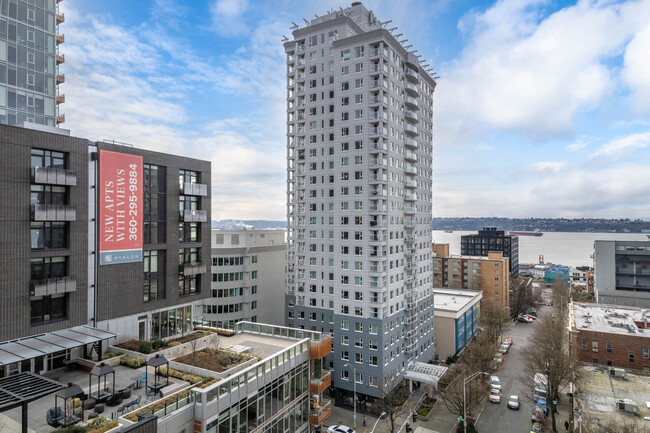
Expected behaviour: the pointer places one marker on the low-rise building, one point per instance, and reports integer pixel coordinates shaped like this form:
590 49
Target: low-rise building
610 335
488 274
456 315
248 278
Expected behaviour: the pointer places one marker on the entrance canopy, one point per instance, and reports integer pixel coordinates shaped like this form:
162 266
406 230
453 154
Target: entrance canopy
52 342
425 373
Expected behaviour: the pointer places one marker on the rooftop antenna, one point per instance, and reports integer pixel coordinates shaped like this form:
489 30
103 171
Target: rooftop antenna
295 26
307 22
405 40
316 15
407 47
418 56
284 38
398 35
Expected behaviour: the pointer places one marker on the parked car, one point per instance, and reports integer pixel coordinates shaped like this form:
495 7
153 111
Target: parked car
495 396
536 428
340 429
508 340
541 403
524 319
538 415
495 383
513 402
504 348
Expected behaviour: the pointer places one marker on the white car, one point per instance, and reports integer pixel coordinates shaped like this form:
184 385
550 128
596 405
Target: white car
340 429
504 347
495 396
513 402
495 383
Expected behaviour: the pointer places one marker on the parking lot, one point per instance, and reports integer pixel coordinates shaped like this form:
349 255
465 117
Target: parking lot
510 372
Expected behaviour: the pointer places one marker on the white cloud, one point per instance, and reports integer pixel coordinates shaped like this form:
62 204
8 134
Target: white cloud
228 17
548 166
619 146
519 73
637 66
578 145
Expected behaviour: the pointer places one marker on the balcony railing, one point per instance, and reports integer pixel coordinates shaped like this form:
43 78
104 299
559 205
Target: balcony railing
320 349
320 412
316 386
60 58
54 176
411 129
195 216
410 142
53 212
194 268
191 188
411 184
409 211
52 286
409 169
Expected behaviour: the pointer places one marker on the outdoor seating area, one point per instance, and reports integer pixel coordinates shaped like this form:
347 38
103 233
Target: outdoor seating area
92 395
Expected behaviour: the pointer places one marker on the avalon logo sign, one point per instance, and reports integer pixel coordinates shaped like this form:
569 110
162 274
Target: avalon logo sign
120 208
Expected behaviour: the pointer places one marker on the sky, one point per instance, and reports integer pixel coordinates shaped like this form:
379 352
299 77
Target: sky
542 108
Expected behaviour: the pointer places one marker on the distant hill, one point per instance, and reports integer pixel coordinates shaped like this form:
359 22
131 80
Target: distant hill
544 224
248 224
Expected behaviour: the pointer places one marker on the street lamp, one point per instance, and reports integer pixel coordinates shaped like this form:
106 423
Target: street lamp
383 414
465 382
354 387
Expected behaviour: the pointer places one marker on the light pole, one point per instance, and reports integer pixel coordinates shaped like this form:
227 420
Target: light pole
383 414
465 382
354 387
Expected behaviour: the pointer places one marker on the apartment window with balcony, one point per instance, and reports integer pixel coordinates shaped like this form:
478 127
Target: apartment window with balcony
153 288
187 176
47 158
48 235
188 284
48 194
155 205
45 268
188 232
45 309
187 203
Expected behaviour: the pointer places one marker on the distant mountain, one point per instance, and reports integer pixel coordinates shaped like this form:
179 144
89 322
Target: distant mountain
248 224
544 224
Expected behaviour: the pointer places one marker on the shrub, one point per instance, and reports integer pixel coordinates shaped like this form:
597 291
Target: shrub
132 362
174 343
133 345
145 347
109 355
158 344
100 425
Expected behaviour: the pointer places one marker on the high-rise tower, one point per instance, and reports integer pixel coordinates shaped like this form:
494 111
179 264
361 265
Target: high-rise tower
29 62
359 181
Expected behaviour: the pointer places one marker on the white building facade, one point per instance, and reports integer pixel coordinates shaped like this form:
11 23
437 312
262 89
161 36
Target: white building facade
359 182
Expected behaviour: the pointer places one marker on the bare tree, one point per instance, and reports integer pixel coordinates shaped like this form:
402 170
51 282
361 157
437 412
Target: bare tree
522 296
548 353
456 399
395 394
493 319
479 354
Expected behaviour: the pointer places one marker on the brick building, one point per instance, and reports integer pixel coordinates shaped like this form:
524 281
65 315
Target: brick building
610 335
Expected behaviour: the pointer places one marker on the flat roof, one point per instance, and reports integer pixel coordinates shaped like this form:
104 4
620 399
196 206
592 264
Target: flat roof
614 319
256 344
484 258
44 344
454 299
423 372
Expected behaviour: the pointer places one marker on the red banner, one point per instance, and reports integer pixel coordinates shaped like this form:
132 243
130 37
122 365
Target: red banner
120 208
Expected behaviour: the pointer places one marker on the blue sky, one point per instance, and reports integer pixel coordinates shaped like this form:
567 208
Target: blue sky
542 107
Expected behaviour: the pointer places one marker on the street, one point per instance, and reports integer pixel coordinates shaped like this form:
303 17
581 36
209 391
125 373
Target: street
497 417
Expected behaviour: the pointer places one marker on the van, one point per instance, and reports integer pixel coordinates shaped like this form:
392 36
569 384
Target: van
617 372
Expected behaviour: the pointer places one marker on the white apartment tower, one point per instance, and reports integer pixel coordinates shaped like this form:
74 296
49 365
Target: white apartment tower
359 182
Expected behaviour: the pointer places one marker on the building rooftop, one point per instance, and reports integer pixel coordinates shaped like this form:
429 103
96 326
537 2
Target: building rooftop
255 344
609 318
458 256
454 299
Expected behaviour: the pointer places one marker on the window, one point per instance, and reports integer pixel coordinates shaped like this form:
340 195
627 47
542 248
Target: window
584 344
188 232
345 325
373 381
345 356
345 340
154 281
632 358
358 358
46 235
253 305
154 212
646 353
44 309
188 282
47 158
609 347
358 52
594 346
358 342
358 377
45 268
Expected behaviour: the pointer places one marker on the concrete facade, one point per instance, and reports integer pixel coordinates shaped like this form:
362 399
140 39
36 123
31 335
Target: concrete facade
457 319
622 272
248 278
359 158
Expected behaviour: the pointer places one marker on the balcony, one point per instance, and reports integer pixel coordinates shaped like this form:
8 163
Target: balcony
52 286
410 142
378 147
411 116
316 386
53 212
319 412
411 184
377 209
377 178
60 58
412 89
409 211
320 349
411 102
54 176
377 163
60 19
411 156
60 99
410 197
412 75
411 129
191 188
194 216
60 39
60 118
194 268
409 169
409 224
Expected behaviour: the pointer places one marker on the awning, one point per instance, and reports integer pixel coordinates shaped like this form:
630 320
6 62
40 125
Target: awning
426 373
52 342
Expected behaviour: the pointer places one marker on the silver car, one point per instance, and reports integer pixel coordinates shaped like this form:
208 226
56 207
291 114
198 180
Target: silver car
513 402
495 396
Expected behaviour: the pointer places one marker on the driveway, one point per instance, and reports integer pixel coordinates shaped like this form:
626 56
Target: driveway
512 368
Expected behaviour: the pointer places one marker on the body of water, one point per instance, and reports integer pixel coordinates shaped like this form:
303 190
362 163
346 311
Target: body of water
561 248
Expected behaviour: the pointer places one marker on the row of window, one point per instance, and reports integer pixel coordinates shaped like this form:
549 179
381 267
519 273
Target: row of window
228 308
609 348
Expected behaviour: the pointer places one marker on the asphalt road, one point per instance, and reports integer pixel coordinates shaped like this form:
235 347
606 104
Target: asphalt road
498 418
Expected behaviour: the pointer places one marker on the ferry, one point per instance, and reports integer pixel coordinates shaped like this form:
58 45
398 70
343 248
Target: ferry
526 233
451 231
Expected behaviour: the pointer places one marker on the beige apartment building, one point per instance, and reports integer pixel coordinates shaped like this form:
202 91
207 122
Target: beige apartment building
489 274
